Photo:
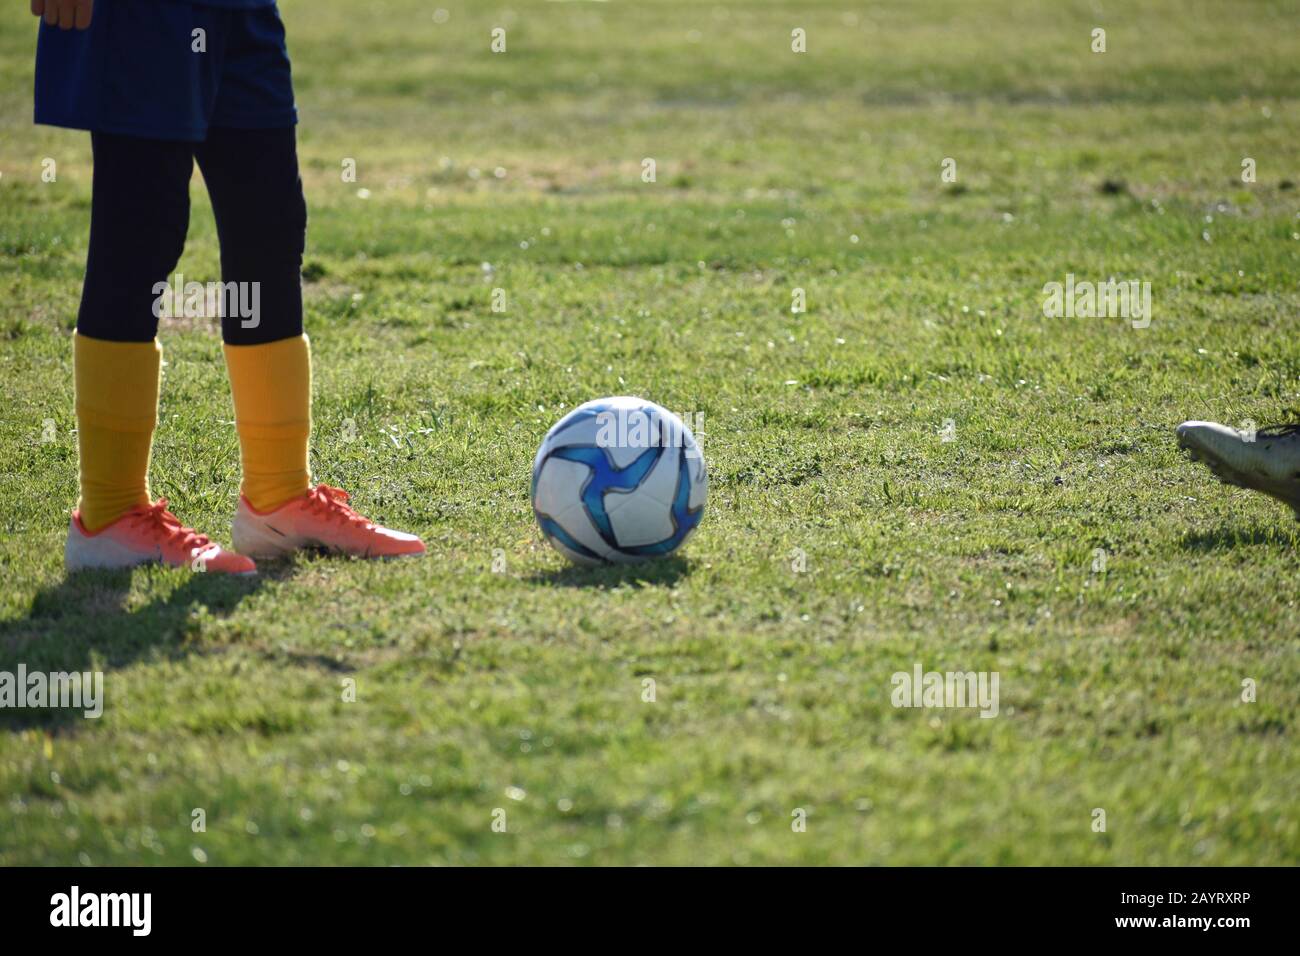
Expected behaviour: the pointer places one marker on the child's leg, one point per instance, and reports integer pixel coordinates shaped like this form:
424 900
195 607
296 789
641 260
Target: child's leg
252 178
139 216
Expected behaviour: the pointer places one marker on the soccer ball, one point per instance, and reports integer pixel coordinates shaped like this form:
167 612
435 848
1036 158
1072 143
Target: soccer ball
618 480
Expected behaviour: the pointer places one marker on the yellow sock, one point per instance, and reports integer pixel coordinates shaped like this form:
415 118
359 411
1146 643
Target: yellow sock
117 410
271 385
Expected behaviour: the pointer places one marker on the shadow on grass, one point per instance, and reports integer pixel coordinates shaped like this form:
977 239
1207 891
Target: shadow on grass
644 574
83 624
1229 536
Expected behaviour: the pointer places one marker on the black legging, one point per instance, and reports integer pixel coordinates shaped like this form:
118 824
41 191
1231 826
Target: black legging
140 212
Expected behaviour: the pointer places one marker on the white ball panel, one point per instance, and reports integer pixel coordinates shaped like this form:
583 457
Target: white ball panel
578 524
640 522
699 480
661 483
559 486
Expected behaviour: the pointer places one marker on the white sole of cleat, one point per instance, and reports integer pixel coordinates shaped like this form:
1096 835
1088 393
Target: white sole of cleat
1199 439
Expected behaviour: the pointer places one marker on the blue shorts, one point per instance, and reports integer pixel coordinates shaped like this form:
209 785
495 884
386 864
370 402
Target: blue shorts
136 70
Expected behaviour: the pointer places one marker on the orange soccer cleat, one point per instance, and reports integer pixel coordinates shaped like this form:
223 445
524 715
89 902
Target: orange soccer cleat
321 518
148 534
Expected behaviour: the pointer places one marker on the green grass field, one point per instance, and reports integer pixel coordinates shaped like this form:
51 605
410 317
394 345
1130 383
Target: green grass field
824 431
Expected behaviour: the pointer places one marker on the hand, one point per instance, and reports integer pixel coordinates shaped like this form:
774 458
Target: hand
64 14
